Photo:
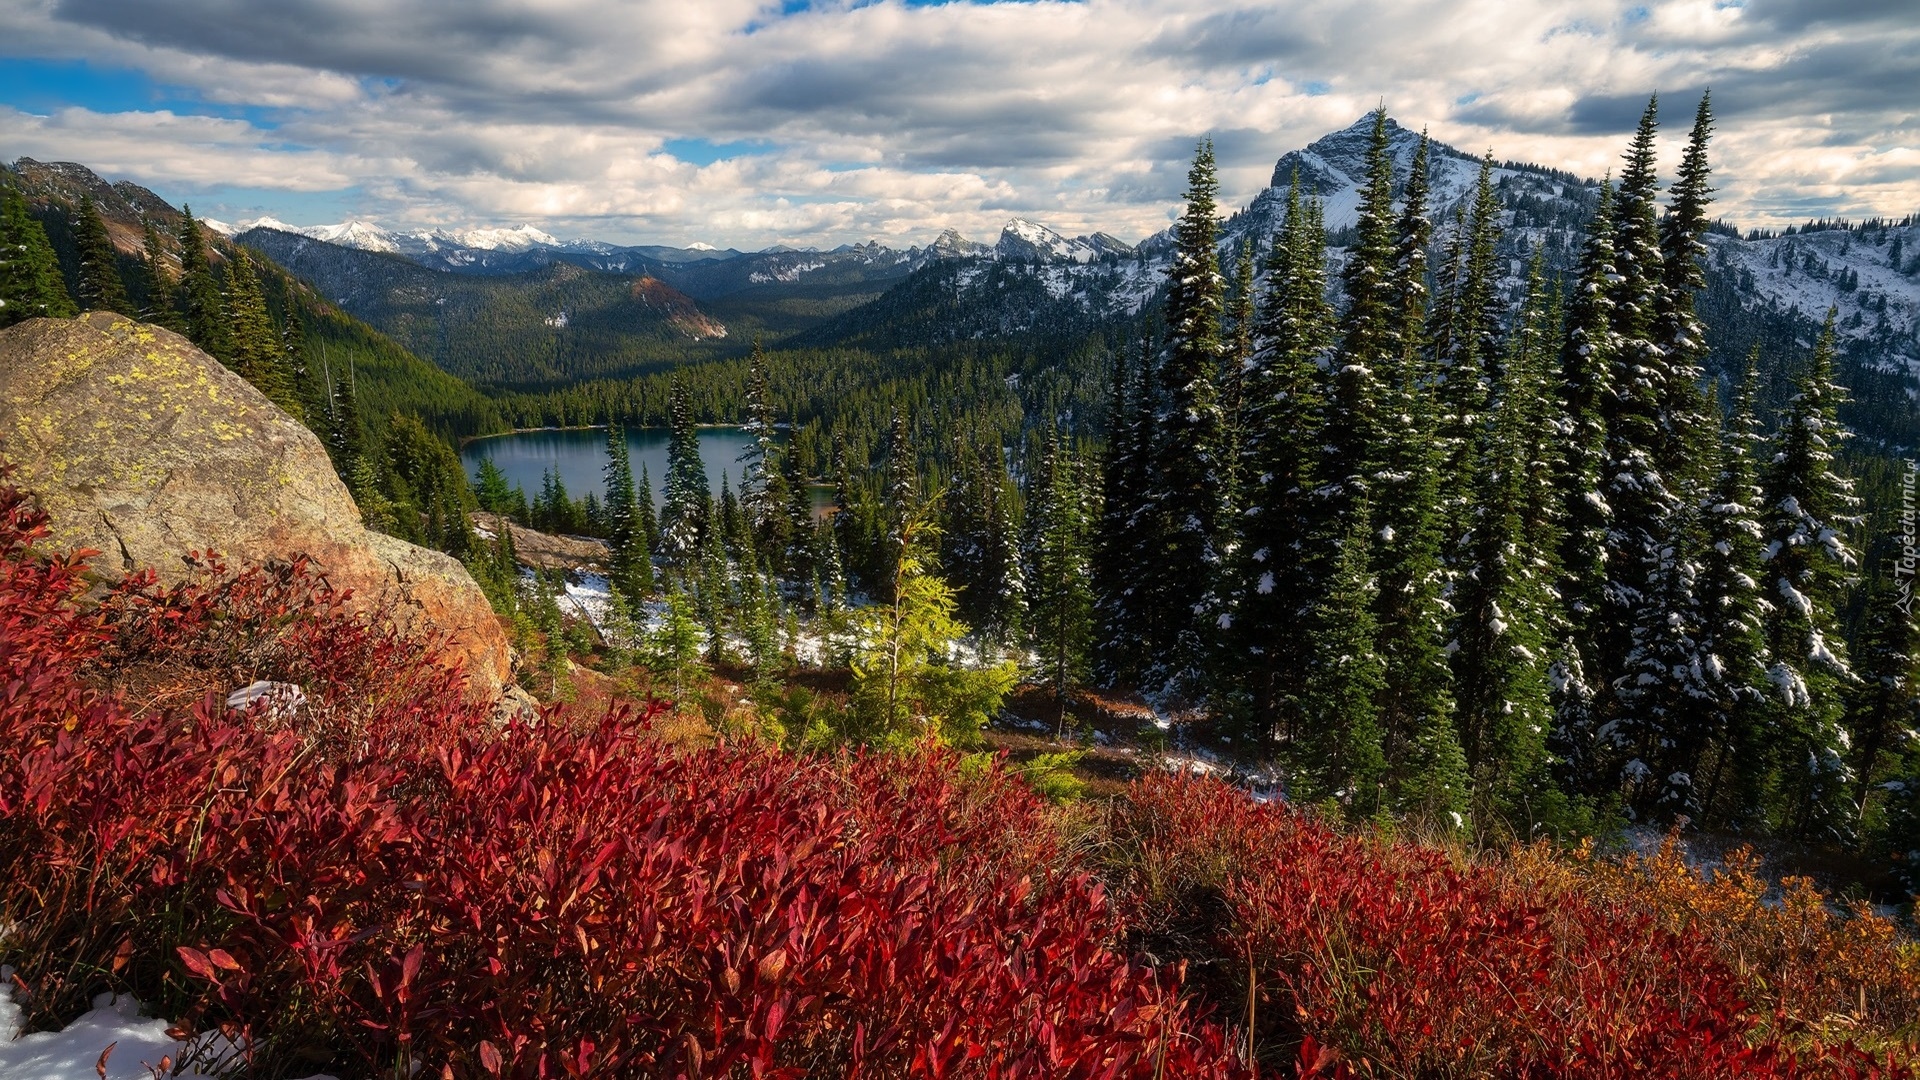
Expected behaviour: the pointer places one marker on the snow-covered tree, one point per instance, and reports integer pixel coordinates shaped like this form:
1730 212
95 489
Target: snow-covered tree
1806 561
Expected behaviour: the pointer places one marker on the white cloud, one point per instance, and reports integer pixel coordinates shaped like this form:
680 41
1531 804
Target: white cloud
877 119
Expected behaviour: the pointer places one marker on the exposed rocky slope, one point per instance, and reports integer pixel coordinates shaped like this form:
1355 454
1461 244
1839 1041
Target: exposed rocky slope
145 448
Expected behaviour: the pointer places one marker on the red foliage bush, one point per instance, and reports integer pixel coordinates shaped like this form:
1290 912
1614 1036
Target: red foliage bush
426 890
1407 965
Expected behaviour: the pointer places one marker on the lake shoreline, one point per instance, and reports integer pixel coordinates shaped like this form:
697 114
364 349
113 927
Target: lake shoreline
468 440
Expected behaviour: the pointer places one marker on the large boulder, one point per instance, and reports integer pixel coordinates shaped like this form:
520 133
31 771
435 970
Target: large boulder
143 447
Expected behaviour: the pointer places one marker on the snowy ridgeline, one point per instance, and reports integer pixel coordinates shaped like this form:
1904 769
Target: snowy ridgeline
113 1041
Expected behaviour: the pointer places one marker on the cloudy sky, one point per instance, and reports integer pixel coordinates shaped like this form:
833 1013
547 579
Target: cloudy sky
753 122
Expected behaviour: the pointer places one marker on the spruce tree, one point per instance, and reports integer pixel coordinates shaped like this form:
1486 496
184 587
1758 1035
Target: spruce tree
1504 594
760 479
1337 753
1370 335
1585 391
100 286
1121 608
1188 461
1058 575
1235 356
201 309
1638 492
1809 506
1881 709
257 352
684 513
156 284
1464 334
1416 701
30 282
1686 429
1280 460
1732 623
632 570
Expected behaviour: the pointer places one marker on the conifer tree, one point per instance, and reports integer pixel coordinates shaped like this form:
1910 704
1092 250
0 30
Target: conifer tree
1686 429
346 439
1585 390
30 282
257 353
1236 354
760 480
1121 610
1188 449
1337 752
1638 493
626 537
1465 338
156 284
1059 571
1370 334
646 518
100 286
1806 561
1881 710
1280 460
1732 614
1505 599
201 309
683 516
1416 700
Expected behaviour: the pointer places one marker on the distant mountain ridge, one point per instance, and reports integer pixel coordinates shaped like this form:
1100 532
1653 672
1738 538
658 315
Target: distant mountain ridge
1033 280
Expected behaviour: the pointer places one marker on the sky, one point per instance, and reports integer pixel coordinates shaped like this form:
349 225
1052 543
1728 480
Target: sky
748 123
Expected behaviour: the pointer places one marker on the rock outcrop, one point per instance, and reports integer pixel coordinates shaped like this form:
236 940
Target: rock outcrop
145 448
545 551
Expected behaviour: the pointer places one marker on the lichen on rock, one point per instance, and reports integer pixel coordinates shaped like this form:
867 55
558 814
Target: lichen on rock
144 448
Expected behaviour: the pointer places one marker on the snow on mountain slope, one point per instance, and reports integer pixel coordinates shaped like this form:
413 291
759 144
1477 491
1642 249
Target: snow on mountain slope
517 238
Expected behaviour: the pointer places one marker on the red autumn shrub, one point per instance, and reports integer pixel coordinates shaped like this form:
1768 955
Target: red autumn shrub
1407 965
430 891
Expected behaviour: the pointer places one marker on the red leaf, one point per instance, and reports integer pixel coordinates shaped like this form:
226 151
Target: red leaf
490 1057
101 1065
197 962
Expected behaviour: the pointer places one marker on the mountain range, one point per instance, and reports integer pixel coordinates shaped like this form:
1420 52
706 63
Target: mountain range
514 306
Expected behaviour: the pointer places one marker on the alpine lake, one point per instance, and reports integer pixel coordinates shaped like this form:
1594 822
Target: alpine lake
578 456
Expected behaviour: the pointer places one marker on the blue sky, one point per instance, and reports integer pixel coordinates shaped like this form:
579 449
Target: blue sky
752 122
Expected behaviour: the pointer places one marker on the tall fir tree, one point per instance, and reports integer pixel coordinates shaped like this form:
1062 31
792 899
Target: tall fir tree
257 352
1188 449
1732 614
685 510
1585 391
1882 707
1504 594
1280 459
1686 434
198 294
30 282
1059 571
1464 338
156 283
1809 506
632 568
100 286
761 482
1638 491
1336 753
1369 338
1422 748
1120 608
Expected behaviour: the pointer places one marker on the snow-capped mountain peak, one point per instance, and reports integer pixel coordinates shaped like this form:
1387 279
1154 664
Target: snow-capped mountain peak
515 238
1030 240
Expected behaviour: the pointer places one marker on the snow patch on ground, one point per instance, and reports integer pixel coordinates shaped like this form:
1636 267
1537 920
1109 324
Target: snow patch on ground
73 1052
